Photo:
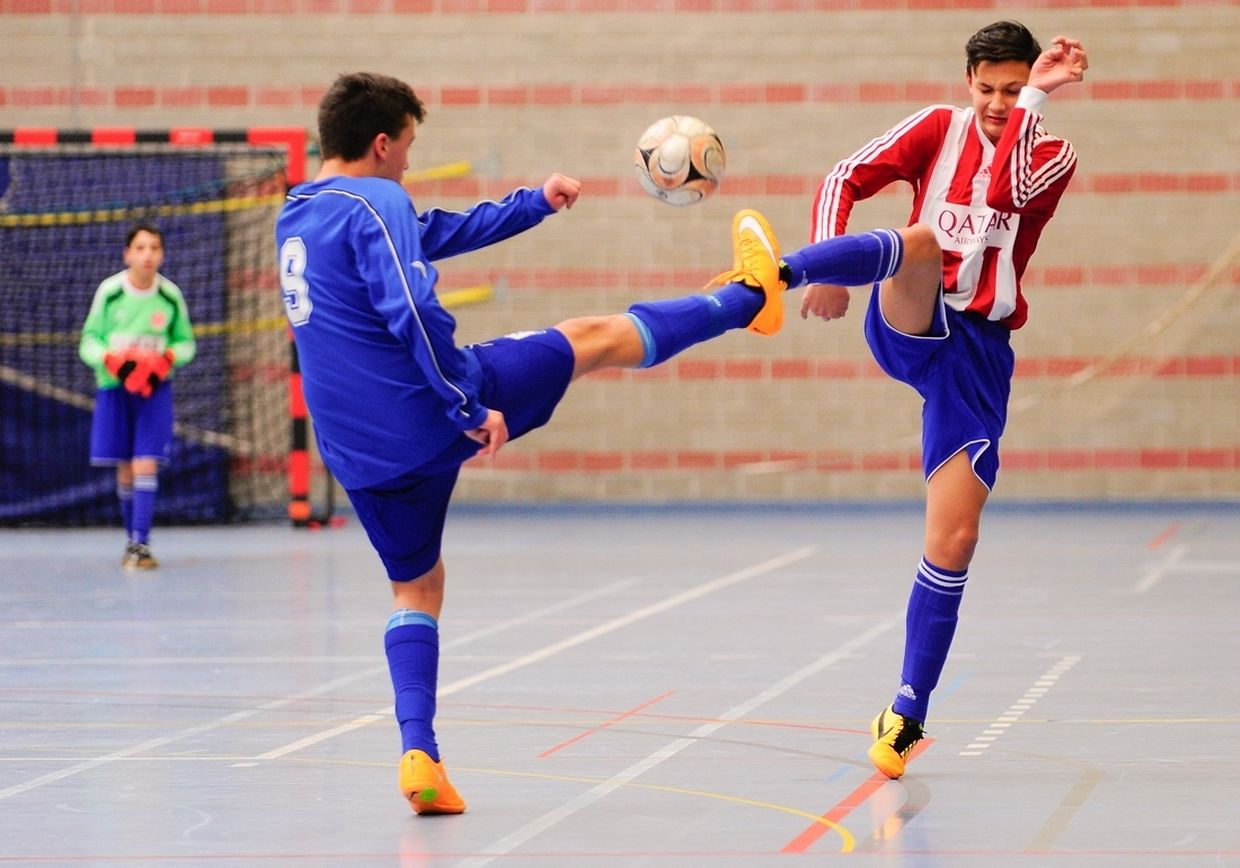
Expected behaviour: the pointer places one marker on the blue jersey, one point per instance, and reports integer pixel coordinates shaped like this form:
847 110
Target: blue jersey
386 385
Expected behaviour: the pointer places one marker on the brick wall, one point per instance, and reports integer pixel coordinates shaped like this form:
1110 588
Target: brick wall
1124 389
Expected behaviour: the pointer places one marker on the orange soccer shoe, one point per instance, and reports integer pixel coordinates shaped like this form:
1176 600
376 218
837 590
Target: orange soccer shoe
756 264
425 784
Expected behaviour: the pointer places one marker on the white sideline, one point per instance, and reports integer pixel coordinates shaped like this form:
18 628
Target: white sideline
510 842
556 647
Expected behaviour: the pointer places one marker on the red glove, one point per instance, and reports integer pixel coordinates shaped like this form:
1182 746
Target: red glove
120 365
160 365
138 380
151 370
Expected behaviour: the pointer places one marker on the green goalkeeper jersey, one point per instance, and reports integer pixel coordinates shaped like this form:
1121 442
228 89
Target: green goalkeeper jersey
122 317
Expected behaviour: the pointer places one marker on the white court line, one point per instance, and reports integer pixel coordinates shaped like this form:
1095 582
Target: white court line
387 711
570 603
563 645
1155 572
227 719
510 842
997 727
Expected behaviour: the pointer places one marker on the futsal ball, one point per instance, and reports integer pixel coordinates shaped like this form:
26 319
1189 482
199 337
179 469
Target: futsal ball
680 160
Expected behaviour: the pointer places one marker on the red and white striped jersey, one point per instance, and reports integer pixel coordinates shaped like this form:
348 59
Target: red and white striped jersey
987 203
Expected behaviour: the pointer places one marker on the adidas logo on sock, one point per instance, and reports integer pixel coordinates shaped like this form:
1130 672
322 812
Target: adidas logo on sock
907 691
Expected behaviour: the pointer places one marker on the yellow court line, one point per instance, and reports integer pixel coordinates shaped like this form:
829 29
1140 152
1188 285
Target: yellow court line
849 841
453 298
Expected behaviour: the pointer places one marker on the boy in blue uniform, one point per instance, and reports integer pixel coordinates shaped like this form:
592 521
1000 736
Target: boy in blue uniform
136 333
398 407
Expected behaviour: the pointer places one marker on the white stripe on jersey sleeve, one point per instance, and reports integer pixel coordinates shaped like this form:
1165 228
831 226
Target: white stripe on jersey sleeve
829 200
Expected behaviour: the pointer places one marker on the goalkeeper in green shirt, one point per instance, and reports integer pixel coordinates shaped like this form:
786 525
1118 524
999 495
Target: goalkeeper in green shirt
136 333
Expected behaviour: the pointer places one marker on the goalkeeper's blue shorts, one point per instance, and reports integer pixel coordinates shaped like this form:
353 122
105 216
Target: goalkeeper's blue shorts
127 426
523 376
963 371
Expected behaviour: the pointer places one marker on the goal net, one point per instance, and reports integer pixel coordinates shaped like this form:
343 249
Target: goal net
64 213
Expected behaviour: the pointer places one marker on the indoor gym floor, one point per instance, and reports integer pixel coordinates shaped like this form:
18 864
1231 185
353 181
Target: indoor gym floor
629 687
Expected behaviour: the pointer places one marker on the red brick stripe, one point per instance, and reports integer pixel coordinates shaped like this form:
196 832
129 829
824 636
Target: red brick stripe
549 7
1216 366
916 92
700 368
619 281
803 186
519 459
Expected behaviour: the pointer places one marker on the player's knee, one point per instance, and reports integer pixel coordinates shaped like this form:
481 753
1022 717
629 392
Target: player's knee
921 246
597 340
952 549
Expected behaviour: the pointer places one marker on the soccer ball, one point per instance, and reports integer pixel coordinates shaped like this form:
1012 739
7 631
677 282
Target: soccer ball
679 160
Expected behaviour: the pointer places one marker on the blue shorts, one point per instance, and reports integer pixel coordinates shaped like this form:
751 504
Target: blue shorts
127 426
963 371
524 376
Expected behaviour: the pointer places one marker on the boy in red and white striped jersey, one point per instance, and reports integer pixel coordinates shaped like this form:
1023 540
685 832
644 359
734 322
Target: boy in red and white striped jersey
986 179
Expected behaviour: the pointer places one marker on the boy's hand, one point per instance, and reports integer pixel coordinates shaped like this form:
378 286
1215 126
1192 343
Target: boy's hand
561 191
492 434
824 301
1064 62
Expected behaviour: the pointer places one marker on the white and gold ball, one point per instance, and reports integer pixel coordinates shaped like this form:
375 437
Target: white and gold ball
680 160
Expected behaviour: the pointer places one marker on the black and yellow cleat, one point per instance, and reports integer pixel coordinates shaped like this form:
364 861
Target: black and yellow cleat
894 739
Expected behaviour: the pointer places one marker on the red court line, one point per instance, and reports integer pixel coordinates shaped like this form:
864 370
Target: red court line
1164 537
846 806
589 732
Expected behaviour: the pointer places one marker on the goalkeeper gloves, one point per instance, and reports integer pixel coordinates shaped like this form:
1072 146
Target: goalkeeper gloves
120 365
150 370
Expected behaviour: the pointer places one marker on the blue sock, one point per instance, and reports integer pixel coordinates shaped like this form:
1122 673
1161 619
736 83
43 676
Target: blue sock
144 488
412 643
124 493
670 326
929 626
847 260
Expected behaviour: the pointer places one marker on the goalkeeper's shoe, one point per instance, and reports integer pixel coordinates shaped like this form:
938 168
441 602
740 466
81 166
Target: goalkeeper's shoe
895 736
138 557
424 782
756 265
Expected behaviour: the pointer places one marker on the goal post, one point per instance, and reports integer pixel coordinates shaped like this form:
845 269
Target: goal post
67 198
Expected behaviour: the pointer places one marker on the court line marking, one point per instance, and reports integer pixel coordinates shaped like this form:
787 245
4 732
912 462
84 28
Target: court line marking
1165 536
387 711
151 744
1155 572
274 704
824 823
536 827
624 715
554 648
1057 823
847 805
1001 724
